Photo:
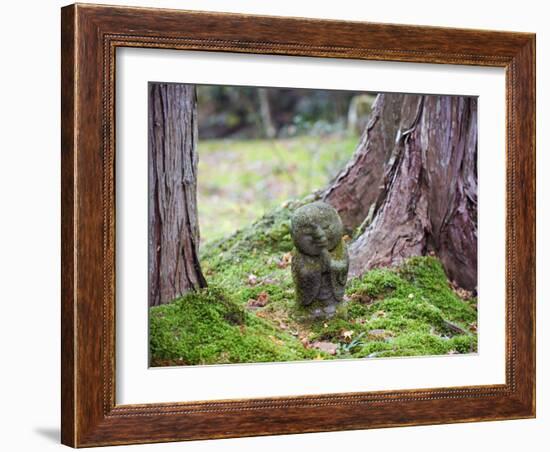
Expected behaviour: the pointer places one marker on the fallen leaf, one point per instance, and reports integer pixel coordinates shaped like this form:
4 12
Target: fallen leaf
285 260
347 334
260 301
464 294
252 279
461 293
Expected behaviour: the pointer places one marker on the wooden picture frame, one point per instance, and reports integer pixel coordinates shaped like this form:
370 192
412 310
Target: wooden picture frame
90 36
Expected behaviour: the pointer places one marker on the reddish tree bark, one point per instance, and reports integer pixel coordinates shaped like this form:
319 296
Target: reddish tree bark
412 185
174 267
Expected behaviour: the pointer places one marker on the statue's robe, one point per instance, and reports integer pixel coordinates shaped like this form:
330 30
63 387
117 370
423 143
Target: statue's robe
315 281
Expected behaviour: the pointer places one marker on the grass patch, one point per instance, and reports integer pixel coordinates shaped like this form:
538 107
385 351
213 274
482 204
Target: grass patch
241 180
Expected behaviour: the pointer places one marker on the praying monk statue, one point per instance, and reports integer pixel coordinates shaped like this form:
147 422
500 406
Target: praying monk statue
320 261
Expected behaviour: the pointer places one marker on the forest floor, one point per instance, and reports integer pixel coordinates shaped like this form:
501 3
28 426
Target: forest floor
248 312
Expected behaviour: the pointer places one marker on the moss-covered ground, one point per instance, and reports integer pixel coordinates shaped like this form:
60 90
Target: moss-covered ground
248 312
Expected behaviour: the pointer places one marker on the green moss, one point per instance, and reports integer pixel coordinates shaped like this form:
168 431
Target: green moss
356 310
265 237
207 327
403 312
375 284
416 343
418 288
429 278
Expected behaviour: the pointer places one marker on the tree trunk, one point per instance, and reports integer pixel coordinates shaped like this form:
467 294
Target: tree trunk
265 113
174 267
358 188
412 185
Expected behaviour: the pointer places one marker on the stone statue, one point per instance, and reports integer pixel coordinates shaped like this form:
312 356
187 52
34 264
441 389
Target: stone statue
320 262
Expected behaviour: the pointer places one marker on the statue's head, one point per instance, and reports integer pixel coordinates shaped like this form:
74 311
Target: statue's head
316 226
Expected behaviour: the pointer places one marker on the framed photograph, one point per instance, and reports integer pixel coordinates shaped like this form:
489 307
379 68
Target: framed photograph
282 225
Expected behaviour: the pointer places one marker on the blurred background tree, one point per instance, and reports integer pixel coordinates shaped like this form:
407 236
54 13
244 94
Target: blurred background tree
253 113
